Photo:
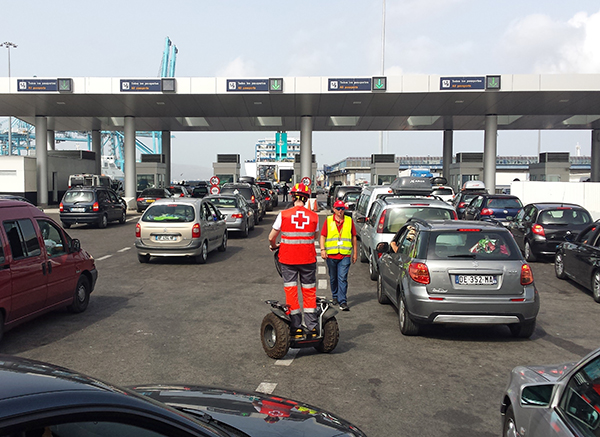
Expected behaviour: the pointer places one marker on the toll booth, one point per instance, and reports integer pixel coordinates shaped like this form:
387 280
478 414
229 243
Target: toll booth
227 168
467 167
297 172
151 172
384 169
552 167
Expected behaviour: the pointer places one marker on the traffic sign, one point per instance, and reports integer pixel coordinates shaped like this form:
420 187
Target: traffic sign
306 181
215 180
379 84
214 189
276 85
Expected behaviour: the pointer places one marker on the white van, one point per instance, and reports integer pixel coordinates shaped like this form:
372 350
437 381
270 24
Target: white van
368 195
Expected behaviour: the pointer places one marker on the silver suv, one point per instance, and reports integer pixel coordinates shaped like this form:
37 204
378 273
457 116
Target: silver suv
448 272
388 214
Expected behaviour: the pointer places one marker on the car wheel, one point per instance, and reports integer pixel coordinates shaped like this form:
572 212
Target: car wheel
123 218
509 429
201 259
253 223
381 296
529 255
596 286
522 330
407 326
559 266
363 256
372 267
331 336
139 210
275 336
103 222
66 225
143 258
223 246
245 231
81 299
1 326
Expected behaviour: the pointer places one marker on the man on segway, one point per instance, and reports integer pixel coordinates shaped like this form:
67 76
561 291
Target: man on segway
298 227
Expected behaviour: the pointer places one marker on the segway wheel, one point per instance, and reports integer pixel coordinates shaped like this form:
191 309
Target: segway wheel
275 336
331 335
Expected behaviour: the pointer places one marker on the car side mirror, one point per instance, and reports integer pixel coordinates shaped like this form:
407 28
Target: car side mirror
361 219
382 247
222 217
537 395
74 245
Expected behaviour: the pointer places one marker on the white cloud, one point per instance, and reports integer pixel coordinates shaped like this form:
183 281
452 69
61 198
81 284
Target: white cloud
239 67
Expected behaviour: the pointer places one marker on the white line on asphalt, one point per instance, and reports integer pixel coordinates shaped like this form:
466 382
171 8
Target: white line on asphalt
104 257
131 219
266 387
288 359
125 249
321 270
322 284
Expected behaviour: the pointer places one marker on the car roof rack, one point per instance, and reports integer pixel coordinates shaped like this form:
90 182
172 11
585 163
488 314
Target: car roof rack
411 185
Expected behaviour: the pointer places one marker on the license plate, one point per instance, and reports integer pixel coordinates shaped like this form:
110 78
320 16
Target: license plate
165 238
77 209
475 280
150 200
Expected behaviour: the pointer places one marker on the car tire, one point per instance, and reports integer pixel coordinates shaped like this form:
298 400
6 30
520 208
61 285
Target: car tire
201 259
559 266
139 210
143 258
103 223
223 246
81 299
123 218
331 336
363 256
66 225
522 330
253 223
275 336
529 255
381 296
1 326
407 326
509 428
245 230
373 273
596 286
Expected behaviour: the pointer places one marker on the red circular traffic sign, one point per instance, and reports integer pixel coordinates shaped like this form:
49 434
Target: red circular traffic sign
214 189
215 180
306 181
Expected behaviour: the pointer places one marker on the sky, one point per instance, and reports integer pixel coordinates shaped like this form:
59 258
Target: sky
330 38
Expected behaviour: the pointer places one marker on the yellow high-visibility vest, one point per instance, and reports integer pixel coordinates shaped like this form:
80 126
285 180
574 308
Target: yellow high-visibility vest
336 243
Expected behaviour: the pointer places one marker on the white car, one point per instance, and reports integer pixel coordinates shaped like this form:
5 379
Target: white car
444 192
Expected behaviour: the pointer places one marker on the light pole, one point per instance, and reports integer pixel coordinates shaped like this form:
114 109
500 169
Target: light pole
8 46
382 66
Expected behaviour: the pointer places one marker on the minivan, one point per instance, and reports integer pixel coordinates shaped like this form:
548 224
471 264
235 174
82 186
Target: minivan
41 267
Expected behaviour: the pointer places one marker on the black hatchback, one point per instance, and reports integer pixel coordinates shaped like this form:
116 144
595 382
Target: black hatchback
91 205
540 227
496 207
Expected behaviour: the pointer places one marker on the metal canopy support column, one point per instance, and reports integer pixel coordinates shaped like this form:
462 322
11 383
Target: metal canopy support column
166 150
51 140
447 154
97 149
489 152
129 158
595 161
41 157
306 128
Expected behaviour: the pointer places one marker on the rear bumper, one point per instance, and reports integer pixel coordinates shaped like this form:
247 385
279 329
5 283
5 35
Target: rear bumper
545 247
74 218
193 249
236 226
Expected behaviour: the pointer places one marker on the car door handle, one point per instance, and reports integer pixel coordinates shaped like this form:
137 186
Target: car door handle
49 267
43 268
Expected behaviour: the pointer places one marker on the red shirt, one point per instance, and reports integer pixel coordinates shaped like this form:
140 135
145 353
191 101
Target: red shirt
339 226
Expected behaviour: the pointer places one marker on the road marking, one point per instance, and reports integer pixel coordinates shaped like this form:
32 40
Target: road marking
288 359
321 270
103 258
266 387
125 249
131 219
322 284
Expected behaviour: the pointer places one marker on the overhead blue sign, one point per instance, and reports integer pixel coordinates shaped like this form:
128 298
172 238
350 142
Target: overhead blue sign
464 83
349 84
247 84
37 85
152 85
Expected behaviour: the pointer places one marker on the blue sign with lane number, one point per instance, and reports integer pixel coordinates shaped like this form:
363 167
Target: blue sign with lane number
37 85
349 84
137 85
462 83
247 85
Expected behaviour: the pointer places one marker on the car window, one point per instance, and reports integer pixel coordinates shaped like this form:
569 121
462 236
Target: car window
504 203
397 217
78 196
206 213
224 202
53 238
113 197
352 197
407 239
472 244
528 214
477 202
585 235
22 238
442 191
169 213
214 212
153 192
565 217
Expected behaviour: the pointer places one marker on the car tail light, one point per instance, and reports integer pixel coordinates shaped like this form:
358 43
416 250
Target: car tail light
96 207
61 207
462 204
419 272
181 195
140 199
526 275
538 230
454 215
253 199
138 231
381 222
486 211
237 215
268 198
469 230
196 231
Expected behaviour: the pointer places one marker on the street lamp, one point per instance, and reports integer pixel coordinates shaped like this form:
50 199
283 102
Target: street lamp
8 46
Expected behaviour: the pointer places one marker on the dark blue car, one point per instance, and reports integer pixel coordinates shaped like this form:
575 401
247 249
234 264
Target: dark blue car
498 207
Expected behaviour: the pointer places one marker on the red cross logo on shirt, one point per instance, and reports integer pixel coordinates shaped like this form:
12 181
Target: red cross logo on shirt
300 220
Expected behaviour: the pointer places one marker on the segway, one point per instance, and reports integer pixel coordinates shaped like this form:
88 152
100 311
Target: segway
275 330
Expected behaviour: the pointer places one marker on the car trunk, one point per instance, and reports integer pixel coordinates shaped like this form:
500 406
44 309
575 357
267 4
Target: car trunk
166 234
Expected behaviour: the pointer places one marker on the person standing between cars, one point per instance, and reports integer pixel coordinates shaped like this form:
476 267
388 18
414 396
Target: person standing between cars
338 248
285 190
298 227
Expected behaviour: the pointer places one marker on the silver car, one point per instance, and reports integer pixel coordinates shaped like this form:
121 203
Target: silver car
451 272
239 215
180 226
557 400
387 215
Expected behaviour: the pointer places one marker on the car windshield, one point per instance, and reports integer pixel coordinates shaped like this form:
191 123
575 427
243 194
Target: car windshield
224 202
177 190
443 191
246 192
79 196
153 192
352 197
504 203
564 216
169 213
475 244
397 217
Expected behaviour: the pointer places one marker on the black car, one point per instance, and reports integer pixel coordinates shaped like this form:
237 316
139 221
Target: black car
91 205
579 259
273 191
341 190
498 207
462 200
332 188
540 227
151 195
251 193
40 399
200 191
